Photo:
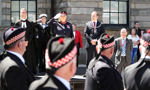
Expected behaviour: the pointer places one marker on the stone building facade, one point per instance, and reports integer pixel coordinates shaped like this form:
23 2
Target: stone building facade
79 11
41 6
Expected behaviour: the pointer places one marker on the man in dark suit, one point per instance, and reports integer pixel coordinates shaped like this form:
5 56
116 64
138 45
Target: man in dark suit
60 25
92 32
123 48
60 64
137 75
14 74
101 73
30 54
78 41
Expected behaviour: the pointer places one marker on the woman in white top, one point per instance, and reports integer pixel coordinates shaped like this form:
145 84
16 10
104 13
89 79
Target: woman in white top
135 39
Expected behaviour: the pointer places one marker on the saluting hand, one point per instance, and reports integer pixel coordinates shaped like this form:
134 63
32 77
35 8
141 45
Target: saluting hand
57 16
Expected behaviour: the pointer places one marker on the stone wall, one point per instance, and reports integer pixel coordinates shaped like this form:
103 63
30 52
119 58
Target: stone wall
44 6
140 11
79 11
5 12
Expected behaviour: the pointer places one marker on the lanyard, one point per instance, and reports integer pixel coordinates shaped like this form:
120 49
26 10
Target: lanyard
122 44
94 25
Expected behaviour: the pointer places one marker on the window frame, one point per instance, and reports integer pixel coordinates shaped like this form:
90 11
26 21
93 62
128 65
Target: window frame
12 23
127 15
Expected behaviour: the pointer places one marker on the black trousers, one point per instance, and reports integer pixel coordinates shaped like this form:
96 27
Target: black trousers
90 54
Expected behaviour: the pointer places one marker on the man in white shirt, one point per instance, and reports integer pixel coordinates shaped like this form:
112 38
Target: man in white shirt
60 65
14 74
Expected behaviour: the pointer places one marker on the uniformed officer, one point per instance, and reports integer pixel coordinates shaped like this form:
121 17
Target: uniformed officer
61 26
92 32
43 34
101 73
137 75
14 75
60 64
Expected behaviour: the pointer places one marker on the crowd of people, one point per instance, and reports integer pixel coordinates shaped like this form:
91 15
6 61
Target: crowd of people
53 46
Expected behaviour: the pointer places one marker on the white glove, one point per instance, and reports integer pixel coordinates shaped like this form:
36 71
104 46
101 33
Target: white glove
39 20
57 16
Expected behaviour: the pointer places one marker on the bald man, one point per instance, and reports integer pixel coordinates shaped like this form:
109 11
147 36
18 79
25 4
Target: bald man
123 48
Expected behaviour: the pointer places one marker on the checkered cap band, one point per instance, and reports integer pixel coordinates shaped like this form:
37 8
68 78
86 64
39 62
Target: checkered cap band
13 39
61 61
144 43
107 45
63 13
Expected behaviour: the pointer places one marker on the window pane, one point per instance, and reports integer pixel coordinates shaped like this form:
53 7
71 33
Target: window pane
31 6
31 16
14 17
114 6
122 6
114 18
106 18
105 6
122 18
15 6
23 4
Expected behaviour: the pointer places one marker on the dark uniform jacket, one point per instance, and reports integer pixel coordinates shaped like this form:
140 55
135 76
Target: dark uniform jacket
61 29
91 33
30 54
103 76
42 37
47 83
137 76
14 75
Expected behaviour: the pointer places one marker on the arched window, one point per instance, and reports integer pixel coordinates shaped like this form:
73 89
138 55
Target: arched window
16 6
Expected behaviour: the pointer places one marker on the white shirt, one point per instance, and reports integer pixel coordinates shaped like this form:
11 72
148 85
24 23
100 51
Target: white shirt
95 23
65 82
134 39
24 25
43 25
18 55
74 33
123 41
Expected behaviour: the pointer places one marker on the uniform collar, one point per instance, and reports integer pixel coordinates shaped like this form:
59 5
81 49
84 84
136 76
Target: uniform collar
63 22
18 55
108 61
23 20
65 82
